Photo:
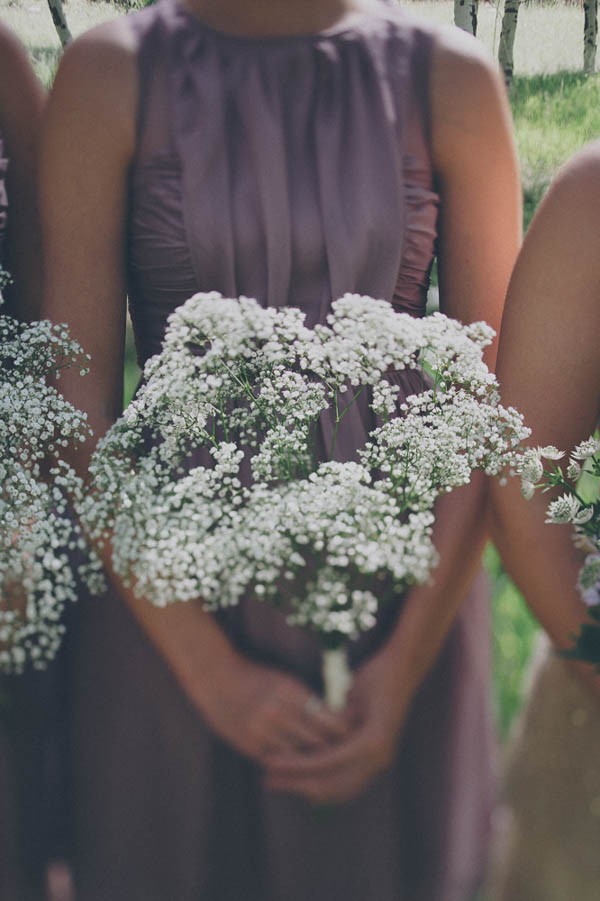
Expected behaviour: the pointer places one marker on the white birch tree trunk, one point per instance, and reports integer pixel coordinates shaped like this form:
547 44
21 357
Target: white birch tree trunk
507 39
60 21
465 15
590 35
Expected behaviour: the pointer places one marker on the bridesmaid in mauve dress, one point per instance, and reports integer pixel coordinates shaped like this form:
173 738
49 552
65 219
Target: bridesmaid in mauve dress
292 152
26 731
549 367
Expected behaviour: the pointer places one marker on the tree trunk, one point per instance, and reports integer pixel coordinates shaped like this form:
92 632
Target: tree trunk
465 15
507 39
590 35
60 21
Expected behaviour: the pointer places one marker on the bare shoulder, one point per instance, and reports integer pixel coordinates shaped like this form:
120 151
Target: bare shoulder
96 85
101 59
109 42
561 245
470 114
460 54
559 261
17 78
574 195
13 56
465 79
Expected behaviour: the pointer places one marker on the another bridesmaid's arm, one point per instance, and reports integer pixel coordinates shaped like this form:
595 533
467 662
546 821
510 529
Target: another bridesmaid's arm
549 367
21 104
88 146
479 234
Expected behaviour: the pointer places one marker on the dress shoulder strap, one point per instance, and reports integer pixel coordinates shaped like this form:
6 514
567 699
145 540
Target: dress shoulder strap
153 41
421 75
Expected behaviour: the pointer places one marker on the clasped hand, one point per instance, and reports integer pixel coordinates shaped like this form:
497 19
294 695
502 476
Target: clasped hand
341 769
303 747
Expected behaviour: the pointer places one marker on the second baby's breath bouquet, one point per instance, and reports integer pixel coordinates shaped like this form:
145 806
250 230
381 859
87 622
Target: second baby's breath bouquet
44 561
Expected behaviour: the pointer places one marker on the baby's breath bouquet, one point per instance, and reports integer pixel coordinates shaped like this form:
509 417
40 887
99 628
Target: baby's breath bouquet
274 504
42 552
578 506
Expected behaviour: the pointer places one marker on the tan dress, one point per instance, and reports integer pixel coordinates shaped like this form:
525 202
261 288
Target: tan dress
547 844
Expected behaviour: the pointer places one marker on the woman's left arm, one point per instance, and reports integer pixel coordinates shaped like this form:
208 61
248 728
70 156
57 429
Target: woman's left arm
479 235
21 105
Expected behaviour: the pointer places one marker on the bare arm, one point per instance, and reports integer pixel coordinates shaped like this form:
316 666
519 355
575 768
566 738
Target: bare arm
21 103
479 234
87 149
549 367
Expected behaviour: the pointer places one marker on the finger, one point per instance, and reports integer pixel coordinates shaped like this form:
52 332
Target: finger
271 747
302 727
302 719
329 724
287 728
322 762
302 713
301 736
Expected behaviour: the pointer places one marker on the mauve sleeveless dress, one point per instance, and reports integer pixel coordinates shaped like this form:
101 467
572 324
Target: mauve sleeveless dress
32 725
293 170
8 879
3 198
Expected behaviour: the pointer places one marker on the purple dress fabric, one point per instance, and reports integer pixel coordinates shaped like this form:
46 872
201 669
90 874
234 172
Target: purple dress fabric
293 170
33 816
8 881
3 198
12 887
19 834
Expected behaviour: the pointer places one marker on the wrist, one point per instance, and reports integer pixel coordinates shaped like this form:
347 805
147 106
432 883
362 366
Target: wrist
392 677
206 678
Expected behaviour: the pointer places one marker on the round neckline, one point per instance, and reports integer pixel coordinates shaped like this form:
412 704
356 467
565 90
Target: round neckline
347 23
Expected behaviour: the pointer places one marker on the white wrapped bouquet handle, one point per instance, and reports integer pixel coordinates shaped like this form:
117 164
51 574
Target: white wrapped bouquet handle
337 678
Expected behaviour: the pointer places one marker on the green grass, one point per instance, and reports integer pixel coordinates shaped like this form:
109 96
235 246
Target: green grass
33 23
556 111
514 631
554 115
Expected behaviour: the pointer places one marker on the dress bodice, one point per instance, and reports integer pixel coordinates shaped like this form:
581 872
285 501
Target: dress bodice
290 169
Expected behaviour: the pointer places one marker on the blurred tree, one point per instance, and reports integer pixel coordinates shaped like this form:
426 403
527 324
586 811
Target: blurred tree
590 35
465 15
507 38
60 21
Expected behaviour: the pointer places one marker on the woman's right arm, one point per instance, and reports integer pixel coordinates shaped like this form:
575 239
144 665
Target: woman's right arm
549 368
88 145
21 106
